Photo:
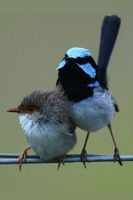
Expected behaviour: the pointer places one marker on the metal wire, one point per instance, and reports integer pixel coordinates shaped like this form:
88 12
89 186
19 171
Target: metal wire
72 158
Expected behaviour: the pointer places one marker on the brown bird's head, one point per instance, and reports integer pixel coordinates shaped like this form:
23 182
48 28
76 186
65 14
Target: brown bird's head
31 103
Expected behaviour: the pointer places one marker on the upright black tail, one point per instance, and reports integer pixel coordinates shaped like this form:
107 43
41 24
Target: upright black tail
109 31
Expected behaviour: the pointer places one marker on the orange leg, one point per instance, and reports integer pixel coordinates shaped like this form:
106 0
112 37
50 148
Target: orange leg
60 161
22 156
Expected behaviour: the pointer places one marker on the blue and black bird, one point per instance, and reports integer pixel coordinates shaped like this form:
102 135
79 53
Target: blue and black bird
85 83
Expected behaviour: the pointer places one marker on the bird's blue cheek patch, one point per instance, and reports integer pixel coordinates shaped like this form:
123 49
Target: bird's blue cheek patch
61 64
88 69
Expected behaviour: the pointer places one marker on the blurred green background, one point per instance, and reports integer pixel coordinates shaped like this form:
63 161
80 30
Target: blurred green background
34 36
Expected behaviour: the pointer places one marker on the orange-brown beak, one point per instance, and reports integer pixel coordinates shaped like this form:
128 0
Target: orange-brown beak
16 110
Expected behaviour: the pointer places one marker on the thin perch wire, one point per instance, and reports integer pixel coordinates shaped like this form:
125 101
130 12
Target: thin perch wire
33 159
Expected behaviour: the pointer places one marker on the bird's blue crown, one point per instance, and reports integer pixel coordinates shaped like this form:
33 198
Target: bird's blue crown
81 57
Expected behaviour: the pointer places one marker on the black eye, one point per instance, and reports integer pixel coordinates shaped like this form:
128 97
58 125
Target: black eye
30 109
66 56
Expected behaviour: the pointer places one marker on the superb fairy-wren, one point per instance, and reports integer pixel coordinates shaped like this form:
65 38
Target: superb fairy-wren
46 120
85 83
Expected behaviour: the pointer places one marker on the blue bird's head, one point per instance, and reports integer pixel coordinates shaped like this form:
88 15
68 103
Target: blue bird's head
82 58
78 70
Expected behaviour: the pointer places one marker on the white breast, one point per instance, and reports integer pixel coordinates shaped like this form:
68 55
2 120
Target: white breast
93 113
47 140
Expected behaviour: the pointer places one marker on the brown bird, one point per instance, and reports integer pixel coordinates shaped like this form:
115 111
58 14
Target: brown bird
46 121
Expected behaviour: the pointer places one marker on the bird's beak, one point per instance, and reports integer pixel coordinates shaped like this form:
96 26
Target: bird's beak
16 110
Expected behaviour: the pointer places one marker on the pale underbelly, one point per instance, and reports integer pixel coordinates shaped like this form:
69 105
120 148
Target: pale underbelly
48 140
92 115
49 147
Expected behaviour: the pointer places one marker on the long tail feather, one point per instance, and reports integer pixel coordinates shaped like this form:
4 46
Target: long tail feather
109 31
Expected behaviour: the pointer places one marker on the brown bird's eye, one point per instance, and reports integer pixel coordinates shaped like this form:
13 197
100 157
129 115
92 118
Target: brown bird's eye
31 109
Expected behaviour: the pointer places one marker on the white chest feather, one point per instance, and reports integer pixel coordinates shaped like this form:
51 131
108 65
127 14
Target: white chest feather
93 113
47 140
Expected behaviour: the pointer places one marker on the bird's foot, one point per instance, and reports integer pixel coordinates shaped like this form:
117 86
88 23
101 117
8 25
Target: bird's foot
22 157
83 157
117 156
60 161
